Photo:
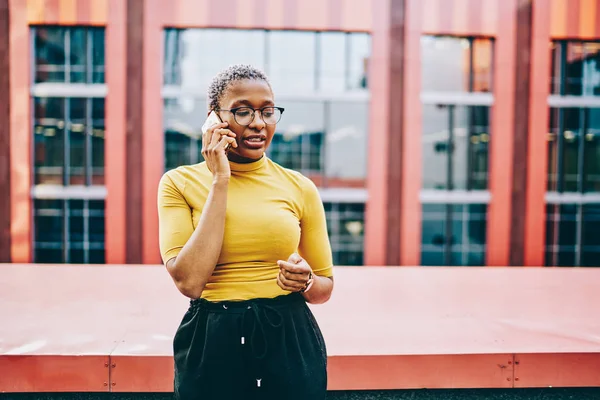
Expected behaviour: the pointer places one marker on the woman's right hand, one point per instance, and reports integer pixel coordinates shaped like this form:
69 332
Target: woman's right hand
214 142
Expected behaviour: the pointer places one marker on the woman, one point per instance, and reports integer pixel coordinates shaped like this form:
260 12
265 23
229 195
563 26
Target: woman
246 240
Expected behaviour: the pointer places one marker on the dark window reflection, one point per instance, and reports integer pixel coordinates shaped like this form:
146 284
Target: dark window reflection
561 234
77 140
345 224
97 142
591 236
458 138
453 234
576 68
70 55
183 119
49 125
591 157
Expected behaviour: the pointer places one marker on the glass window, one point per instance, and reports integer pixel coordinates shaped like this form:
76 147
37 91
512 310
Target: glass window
456 64
97 142
291 61
183 120
455 137
332 61
573 150
77 140
453 234
561 234
298 141
360 53
347 139
69 55
69 231
576 68
345 223
591 236
49 124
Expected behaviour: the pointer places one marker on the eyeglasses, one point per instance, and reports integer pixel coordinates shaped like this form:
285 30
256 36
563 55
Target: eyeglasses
245 115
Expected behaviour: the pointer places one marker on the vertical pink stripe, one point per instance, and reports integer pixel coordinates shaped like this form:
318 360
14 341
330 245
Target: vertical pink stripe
379 114
411 213
573 19
245 11
446 21
116 76
335 13
68 12
51 11
154 138
192 13
489 16
83 11
475 14
358 15
558 17
597 19
312 15
431 17
222 13
290 12
537 168
502 145
20 134
260 13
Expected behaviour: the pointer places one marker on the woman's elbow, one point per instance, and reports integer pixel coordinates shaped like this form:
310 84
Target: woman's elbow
189 289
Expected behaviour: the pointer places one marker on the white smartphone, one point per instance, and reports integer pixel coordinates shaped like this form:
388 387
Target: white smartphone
213 119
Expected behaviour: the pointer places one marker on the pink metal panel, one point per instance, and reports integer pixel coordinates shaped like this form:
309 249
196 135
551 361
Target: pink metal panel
558 369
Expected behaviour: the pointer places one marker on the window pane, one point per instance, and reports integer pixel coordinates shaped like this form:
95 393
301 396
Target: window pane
77 153
183 120
98 131
98 57
78 55
561 234
591 166
468 234
49 55
470 150
291 61
435 146
297 143
49 231
571 137
591 69
482 65
76 220
332 61
345 223
433 235
556 55
347 139
205 52
49 124
590 256
96 225
360 53
445 63
574 69
553 150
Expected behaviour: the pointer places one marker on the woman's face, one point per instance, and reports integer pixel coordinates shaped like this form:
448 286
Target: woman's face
252 140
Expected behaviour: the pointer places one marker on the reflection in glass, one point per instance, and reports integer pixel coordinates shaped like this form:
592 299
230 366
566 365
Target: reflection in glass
291 61
360 52
49 54
591 158
445 63
561 234
97 142
98 55
298 141
183 119
435 146
590 256
77 136
49 231
572 134
49 124
553 144
347 139
78 55
556 55
332 61
580 63
463 244
573 69
591 69
482 65
345 225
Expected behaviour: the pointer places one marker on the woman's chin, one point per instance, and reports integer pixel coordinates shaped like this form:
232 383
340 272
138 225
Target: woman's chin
245 155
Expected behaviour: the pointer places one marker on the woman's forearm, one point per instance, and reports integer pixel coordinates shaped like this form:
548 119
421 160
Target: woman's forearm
320 292
197 260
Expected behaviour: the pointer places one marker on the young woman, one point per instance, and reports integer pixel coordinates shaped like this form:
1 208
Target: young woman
246 240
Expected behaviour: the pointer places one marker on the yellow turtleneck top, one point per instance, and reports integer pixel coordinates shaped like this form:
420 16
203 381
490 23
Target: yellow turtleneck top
272 212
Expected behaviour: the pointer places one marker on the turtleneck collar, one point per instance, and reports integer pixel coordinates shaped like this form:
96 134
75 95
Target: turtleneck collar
247 167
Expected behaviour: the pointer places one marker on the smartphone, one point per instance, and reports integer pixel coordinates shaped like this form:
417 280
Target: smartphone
213 119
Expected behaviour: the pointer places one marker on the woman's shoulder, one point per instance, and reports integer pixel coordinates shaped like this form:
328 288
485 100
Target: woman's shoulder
296 177
186 174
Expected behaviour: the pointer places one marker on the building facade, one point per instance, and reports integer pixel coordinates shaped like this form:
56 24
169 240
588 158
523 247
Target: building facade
439 132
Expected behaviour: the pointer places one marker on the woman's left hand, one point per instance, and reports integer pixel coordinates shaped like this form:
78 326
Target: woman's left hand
294 273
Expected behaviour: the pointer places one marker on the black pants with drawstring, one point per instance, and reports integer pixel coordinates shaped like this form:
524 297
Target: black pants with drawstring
256 349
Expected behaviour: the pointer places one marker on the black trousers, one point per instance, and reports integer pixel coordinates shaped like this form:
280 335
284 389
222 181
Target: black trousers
256 349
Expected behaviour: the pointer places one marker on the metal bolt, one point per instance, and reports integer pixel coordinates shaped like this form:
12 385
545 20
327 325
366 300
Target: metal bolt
113 365
510 362
114 383
106 364
517 362
105 383
508 379
516 379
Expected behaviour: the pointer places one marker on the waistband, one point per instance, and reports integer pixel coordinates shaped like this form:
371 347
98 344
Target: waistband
241 305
